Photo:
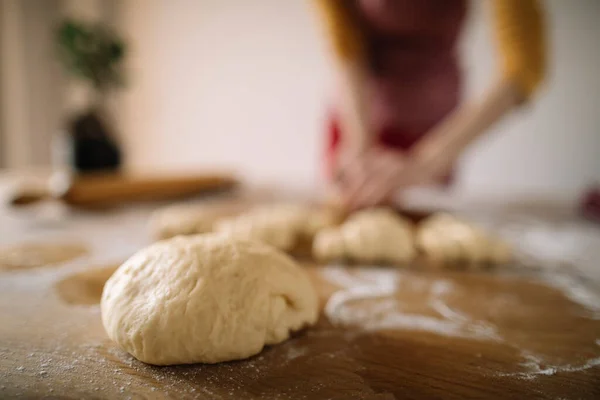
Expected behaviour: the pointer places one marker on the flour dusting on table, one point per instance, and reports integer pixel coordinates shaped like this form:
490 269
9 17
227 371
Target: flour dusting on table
534 366
368 298
575 291
347 306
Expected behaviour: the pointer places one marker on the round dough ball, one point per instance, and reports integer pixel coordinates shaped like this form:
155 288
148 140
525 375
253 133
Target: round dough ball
475 247
373 235
280 225
329 245
274 227
445 238
190 219
318 219
205 299
500 253
436 250
378 235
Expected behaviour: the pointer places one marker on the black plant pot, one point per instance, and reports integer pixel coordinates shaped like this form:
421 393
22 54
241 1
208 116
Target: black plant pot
93 147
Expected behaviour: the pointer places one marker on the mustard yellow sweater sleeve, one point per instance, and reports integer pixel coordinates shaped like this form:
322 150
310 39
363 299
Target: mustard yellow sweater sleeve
519 29
342 31
520 33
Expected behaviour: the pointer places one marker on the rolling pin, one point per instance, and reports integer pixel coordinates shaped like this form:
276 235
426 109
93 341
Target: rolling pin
105 189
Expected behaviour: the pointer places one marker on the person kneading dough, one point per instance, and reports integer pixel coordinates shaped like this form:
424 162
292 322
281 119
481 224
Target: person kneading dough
372 235
205 299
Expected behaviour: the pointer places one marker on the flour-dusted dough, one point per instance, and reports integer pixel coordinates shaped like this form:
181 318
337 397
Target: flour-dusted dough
205 299
373 235
190 219
443 238
280 225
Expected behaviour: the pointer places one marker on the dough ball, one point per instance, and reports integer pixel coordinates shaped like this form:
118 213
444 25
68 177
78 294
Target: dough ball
280 225
443 238
274 227
436 249
318 219
34 255
500 253
205 299
374 235
190 219
329 245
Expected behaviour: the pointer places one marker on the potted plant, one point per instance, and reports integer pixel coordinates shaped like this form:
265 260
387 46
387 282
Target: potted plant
94 54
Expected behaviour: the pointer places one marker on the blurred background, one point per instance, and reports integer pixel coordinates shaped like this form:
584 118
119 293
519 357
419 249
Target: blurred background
245 86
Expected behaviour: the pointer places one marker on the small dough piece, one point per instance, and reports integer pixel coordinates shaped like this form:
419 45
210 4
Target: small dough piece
280 225
190 219
34 255
85 287
444 239
205 299
329 245
276 227
500 253
374 235
318 219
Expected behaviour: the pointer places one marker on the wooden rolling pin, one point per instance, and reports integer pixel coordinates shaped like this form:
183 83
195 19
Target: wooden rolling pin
105 189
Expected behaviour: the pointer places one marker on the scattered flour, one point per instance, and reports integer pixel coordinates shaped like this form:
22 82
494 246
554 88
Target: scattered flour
536 367
380 311
386 313
295 352
548 244
575 291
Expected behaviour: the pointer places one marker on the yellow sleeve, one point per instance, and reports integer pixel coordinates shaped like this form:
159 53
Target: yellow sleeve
521 39
343 33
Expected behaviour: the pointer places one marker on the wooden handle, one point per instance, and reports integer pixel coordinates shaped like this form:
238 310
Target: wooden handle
106 189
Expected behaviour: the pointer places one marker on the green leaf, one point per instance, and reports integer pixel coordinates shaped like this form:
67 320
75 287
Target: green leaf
91 52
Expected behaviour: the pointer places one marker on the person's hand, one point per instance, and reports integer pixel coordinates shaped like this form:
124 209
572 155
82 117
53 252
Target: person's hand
368 178
372 178
427 164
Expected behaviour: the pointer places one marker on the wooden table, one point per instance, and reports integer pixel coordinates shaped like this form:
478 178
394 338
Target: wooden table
513 333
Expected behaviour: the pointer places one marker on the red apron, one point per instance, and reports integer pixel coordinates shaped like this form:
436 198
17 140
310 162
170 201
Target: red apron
389 137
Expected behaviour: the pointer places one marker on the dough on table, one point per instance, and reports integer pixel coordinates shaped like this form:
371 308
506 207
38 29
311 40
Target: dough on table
190 219
205 299
33 255
316 219
443 238
373 235
280 225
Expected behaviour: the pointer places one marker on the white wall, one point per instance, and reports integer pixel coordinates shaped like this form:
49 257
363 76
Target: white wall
244 84
554 145
31 82
37 99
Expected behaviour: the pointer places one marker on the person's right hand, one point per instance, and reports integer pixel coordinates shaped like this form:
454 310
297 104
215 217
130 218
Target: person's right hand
367 179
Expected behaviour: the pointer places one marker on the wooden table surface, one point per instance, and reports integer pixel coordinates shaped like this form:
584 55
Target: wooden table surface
384 333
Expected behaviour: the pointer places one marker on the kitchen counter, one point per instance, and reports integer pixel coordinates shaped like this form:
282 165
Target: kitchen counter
528 330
